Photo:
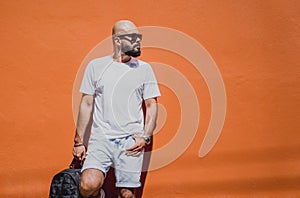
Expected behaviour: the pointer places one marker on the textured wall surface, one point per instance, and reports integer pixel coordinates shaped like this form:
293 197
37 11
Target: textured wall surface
255 44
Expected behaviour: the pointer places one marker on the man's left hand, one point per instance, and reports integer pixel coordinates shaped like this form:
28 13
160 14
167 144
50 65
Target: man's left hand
138 147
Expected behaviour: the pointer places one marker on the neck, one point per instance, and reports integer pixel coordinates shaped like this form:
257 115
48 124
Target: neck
122 58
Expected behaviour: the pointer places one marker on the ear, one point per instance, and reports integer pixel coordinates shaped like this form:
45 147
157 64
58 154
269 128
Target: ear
117 41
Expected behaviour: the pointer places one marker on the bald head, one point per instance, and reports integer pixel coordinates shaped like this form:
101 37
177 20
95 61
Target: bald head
124 27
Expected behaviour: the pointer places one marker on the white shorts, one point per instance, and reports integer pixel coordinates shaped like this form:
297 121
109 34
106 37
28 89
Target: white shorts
103 153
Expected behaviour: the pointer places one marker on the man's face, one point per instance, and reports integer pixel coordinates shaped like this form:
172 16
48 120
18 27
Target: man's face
130 44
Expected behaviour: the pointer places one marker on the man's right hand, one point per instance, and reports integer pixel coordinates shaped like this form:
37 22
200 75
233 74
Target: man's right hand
79 152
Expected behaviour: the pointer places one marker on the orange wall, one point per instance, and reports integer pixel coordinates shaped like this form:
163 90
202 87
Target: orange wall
254 43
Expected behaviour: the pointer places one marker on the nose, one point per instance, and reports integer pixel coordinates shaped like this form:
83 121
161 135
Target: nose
138 41
137 45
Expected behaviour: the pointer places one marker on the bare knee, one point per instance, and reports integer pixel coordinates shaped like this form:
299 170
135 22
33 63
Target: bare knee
126 193
91 182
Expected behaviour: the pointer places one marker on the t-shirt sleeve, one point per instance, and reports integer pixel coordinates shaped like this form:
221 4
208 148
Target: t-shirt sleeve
151 89
87 84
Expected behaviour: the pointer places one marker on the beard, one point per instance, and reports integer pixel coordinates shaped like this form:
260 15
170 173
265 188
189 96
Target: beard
133 51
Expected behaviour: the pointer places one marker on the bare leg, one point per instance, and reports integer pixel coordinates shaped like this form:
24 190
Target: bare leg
126 193
91 182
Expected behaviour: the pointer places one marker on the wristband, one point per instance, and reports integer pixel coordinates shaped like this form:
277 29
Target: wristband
78 145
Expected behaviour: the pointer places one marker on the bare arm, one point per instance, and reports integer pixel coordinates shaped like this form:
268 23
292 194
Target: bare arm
150 124
84 115
151 116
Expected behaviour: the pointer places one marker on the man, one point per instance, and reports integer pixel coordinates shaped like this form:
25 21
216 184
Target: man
114 88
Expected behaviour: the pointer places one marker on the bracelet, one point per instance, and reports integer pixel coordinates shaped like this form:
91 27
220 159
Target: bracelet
78 145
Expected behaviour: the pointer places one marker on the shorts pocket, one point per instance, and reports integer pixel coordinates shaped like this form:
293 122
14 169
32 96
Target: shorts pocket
129 142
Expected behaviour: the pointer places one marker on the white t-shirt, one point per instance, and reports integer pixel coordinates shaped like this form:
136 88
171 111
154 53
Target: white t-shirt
119 90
